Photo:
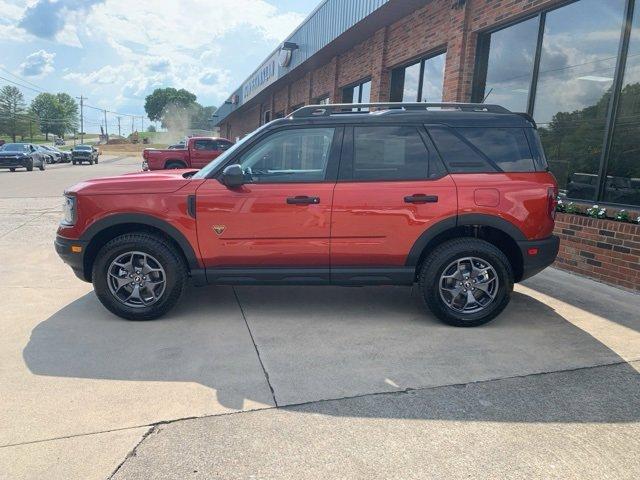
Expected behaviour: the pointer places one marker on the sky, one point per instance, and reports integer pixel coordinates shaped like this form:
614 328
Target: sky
115 52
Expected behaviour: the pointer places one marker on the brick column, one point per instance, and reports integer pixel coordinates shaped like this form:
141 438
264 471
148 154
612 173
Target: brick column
380 88
458 72
334 94
310 89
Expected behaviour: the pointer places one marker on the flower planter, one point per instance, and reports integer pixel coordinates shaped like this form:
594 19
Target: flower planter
603 249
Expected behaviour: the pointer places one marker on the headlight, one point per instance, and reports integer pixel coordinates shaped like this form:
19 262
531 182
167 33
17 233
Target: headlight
69 210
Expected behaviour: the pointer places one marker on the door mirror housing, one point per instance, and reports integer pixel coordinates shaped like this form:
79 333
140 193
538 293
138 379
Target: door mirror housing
233 176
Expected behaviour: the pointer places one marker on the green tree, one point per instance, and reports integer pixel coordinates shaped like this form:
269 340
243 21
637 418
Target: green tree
14 120
57 114
68 120
168 101
46 108
152 129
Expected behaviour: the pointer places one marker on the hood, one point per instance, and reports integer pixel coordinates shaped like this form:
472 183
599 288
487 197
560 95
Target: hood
161 181
11 154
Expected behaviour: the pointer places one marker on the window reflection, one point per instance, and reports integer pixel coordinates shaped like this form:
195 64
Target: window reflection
510 65
577 65
433 79
419 82
623 176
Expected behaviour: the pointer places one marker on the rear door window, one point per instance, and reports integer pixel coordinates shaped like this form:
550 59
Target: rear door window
206 145
482 150
389 153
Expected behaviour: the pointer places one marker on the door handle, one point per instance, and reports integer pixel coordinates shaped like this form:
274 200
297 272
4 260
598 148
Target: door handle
303 200
421 198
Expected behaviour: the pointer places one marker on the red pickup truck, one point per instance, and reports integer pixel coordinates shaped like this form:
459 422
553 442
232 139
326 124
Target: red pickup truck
199 152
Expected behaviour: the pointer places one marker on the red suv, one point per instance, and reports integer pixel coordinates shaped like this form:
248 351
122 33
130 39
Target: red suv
455 197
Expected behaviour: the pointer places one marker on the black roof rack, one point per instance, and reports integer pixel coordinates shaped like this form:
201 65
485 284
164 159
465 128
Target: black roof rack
329 109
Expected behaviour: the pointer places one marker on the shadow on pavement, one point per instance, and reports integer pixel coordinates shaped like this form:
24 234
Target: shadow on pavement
599 299
330 342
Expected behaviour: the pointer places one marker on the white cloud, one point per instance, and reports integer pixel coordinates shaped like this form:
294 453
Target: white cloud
179 43
37 64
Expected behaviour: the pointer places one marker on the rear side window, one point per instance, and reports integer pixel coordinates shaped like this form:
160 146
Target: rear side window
389 153
481 150
208 145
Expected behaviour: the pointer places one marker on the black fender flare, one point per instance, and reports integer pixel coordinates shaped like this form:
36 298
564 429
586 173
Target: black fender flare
457 221
148 220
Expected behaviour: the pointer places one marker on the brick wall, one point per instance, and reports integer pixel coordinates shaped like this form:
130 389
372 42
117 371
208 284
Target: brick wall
602 249
439 25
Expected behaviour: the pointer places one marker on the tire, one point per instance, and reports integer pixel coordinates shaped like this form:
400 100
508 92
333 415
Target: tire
41 167
174 165
445 305
30 167
96 160
73 162
161 253
90 162
12 169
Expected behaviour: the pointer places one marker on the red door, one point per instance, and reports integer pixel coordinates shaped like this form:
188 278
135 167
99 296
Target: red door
391 189
257 226
281 216
203 151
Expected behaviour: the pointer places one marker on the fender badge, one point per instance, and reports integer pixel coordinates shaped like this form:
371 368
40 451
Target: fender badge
219 229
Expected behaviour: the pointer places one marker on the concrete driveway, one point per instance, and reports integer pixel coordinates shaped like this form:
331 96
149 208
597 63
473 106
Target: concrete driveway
369 384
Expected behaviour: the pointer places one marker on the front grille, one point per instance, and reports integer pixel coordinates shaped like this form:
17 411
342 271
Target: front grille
9 161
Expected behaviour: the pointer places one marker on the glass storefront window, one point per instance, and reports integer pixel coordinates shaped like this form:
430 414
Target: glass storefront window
623 174
561 67
419 82
577 66
360 93
510 65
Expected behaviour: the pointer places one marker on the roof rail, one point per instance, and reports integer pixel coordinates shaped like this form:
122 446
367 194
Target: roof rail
326 110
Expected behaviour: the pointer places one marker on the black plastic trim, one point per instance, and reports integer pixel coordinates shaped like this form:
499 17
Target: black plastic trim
312 276
142 219
423 240
191 206
268 276
372 275
492 221
547 253
74 260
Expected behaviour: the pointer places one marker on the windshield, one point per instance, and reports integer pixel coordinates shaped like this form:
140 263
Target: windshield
82 147
14 147
204 173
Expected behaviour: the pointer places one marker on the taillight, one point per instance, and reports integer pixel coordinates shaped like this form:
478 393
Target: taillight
552 202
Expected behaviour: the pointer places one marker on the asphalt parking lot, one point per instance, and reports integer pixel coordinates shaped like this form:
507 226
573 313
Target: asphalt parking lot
366 383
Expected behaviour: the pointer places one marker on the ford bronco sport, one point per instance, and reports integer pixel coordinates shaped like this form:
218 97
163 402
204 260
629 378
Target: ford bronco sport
454 197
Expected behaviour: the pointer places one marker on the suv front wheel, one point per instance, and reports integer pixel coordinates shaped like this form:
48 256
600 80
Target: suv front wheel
139 276
466 282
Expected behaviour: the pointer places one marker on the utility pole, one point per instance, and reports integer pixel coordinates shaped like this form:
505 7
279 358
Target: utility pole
119 126
82 99
106 132
142 118
132 125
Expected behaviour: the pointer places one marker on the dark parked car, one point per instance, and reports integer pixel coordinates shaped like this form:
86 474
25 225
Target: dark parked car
49 157
84 153
21 155
59 156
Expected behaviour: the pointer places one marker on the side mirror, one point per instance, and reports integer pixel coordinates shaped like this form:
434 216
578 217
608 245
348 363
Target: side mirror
233 176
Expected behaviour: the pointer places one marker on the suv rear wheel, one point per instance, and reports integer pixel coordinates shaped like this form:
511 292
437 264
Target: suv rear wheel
466 282
139 276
